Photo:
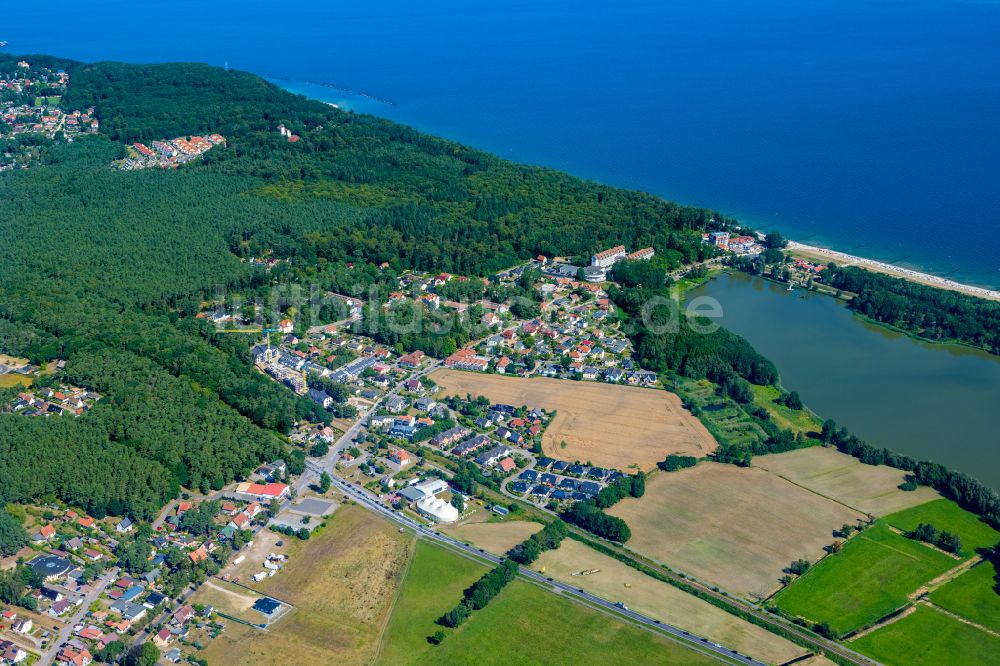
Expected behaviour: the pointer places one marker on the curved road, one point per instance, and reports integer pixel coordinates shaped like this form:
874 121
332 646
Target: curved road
365 499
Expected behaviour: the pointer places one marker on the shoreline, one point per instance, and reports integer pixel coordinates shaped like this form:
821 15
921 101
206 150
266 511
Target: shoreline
811 251
844 259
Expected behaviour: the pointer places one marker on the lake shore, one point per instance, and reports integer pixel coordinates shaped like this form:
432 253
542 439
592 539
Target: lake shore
844 259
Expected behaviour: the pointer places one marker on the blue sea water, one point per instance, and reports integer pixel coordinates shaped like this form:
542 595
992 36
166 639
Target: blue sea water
867 126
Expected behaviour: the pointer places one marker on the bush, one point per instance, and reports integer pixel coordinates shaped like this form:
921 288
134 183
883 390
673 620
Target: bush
673 463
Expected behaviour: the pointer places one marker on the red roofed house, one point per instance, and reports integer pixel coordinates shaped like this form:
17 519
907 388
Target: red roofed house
413 359
199 555
240 522
399 456
263 492
507 465
162 639
184 614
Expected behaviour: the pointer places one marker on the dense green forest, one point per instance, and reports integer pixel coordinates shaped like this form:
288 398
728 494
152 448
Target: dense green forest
936 314
106 268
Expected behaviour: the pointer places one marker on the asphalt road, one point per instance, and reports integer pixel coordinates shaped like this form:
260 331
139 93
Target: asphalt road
365 499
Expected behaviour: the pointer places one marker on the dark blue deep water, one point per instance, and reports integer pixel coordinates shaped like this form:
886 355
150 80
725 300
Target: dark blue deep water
871 127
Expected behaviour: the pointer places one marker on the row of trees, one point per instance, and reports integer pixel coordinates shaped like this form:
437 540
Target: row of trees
673 462
548 538
941 538
480 593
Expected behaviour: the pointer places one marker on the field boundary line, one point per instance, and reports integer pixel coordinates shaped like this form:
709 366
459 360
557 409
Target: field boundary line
814 492
960 618
395 599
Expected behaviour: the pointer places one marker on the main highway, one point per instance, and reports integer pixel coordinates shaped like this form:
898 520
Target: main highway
370 502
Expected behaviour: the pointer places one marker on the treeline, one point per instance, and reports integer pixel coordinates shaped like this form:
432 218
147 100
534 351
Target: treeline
202 441
941 538
672 463
74 461
13 536
589 514
665 340
586 516
936 314
548 538
967 492
480 593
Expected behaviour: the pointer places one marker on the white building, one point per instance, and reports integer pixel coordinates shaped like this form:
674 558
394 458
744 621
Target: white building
431 487
608 258
437 509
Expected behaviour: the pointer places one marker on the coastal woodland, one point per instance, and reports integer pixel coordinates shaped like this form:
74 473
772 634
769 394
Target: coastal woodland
935 314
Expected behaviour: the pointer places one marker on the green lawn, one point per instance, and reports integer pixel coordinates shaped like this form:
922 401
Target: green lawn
928 636
801 420
433 585
727 421
523 625
7 381
868 579
946 515
972 596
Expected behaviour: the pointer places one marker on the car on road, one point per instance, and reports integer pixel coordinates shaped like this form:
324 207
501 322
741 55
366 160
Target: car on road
621 605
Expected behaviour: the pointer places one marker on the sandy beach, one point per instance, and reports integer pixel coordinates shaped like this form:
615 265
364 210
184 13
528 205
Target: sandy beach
844 259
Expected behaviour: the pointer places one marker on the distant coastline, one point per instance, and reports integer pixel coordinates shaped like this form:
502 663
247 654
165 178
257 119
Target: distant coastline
844 259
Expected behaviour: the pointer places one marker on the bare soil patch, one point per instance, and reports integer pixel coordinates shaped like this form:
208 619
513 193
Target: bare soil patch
733 527
605 424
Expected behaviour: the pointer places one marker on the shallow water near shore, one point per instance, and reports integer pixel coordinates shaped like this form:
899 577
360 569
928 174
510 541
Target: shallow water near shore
929 401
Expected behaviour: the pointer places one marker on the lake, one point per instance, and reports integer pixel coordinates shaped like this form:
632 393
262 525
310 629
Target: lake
929 401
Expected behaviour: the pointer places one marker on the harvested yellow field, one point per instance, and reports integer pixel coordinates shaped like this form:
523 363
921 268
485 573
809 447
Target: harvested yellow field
733 527
9 380
616 581
498 537
828 472
605 424
342 583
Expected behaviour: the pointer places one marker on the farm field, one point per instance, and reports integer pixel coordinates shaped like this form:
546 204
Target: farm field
946 515
606 424
342 583
496 537
733 527
971 595
828 472
867 580
619 582
8 380
434 584
929 637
